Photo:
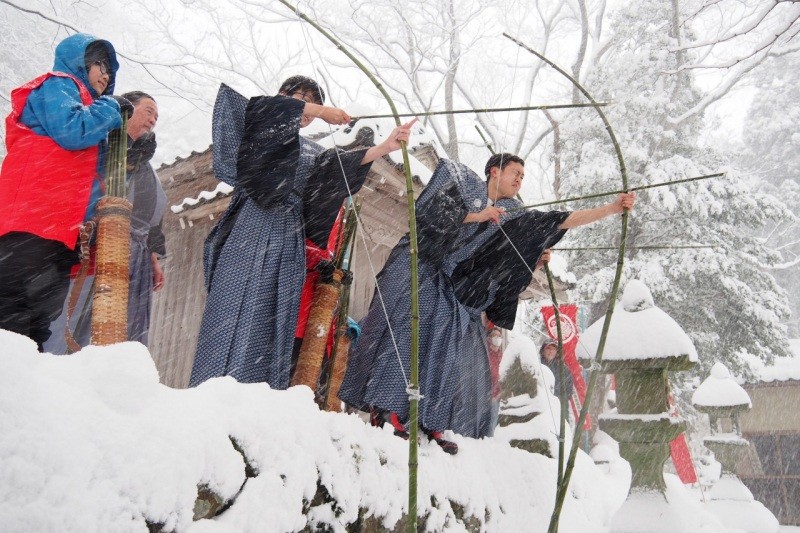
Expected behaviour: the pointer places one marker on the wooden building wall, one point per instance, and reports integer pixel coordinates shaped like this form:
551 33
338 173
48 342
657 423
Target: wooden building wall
773 428
178 307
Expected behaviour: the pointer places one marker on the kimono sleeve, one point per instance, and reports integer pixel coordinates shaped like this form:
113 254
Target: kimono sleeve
327 188
452 192
268 156
156 242
494 276
439 223
227 127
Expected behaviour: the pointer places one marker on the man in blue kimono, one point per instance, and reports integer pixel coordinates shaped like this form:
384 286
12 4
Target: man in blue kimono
466 267
285 187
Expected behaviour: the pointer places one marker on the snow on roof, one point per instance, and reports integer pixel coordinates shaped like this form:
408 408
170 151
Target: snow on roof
782 369
221 190
720 389
638 330
108 446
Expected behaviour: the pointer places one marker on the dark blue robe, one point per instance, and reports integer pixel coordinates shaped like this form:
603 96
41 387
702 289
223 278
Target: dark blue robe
377 373
254 257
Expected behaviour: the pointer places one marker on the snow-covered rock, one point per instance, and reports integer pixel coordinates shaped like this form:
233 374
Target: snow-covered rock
93 442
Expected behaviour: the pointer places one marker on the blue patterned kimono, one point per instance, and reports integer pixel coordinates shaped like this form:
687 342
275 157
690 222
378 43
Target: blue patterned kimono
254 258
376 373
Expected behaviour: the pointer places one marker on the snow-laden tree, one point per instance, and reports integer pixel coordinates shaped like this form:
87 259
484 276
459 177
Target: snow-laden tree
771 153
724 296
449 54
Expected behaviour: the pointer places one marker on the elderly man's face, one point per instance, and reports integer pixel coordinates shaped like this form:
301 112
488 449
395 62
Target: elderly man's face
144 119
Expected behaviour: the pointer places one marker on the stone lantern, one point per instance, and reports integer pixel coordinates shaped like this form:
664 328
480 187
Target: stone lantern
643 345
723 400
520 421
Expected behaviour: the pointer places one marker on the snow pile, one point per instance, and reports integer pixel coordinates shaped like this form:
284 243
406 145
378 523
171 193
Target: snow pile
560 268
783 368
720 390
638 330
680 512
525 350
93 442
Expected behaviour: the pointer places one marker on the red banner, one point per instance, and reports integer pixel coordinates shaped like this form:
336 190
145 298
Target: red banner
569 332
679 451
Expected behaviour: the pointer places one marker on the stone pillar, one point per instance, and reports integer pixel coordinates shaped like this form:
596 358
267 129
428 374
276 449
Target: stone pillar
730 500
643 345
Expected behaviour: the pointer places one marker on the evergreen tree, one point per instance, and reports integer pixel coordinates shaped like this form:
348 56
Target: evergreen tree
771 154
724 297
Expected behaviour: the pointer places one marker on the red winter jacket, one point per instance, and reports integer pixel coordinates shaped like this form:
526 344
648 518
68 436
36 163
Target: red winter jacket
44 188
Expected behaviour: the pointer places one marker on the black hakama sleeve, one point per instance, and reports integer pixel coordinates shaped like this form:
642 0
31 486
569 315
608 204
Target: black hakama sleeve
269 153
439 224
327 187
496 270
442 207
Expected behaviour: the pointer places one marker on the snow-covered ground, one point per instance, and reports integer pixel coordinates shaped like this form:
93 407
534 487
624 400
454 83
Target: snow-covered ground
93 442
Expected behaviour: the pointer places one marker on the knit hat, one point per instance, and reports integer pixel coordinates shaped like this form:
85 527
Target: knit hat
545 344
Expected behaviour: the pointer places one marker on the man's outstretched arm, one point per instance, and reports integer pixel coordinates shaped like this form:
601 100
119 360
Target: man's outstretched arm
587 216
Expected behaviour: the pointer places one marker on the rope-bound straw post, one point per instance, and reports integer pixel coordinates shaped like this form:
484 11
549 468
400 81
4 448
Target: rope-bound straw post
110 299
323 308
341 348
320 318
341 343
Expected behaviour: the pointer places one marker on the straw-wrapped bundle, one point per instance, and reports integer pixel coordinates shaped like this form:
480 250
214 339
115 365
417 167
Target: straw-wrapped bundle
312 350
110 304
338 369
110 300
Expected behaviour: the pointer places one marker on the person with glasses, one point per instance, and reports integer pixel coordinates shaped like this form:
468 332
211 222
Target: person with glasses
52 178
287 190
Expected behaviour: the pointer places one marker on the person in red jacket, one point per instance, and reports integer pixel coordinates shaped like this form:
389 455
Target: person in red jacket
52 178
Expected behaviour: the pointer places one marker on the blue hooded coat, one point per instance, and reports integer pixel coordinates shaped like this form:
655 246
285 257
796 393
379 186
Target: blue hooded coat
55 109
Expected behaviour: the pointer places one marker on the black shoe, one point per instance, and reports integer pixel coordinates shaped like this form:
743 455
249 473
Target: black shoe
447 446
399 428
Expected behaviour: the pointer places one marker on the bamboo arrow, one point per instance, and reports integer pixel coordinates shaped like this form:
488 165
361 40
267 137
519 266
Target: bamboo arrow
610 193
665 247
486 110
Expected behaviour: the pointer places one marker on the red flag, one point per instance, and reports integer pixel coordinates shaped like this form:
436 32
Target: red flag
682 459
679 451
569 332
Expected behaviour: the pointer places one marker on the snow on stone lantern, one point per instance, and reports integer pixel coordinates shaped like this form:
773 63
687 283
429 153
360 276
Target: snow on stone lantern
643 344
730 500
